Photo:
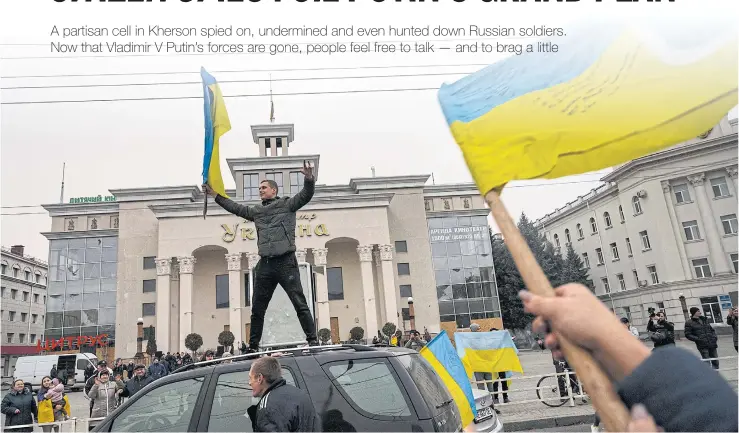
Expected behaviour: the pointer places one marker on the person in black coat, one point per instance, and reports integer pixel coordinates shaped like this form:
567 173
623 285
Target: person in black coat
138 382
281 407
19 407
700 332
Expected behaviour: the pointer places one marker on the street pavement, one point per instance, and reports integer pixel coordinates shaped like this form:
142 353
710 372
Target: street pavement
519 416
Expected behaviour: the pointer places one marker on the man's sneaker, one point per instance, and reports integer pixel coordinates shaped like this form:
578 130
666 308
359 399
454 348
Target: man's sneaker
495 400
313 343
251 350
506 400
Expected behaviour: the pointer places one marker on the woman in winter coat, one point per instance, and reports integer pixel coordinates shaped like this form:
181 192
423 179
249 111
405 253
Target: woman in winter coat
19 407
46 409
104 395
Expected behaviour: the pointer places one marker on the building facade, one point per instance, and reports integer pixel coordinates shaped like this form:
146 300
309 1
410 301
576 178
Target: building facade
662 231
373 245
23 305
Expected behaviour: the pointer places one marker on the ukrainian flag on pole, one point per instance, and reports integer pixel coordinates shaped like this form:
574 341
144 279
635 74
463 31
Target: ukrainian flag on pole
440 353
487 352
216 124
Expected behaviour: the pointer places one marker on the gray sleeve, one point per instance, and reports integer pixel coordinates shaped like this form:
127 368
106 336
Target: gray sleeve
707 403
303 197
235 208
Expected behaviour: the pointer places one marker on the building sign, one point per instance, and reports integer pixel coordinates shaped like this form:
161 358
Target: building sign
97 199
459 234
302 229
73 342
725 301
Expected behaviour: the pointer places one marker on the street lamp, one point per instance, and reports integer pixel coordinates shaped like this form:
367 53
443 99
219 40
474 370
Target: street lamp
411 313
139 340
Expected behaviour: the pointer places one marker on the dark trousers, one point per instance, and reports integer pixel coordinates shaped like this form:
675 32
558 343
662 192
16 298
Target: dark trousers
503 385
710 353
269 272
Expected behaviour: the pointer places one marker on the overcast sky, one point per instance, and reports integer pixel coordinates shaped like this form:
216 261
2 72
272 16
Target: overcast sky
109 145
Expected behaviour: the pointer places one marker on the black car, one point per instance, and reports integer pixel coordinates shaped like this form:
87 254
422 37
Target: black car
353 388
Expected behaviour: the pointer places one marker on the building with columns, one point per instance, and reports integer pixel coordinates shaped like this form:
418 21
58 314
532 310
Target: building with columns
662 231
371 244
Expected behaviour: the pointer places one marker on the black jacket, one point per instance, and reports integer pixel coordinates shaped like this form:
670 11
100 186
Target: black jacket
663 333
25 403
707 404
135 385
284 408
700 332
274 219
732 321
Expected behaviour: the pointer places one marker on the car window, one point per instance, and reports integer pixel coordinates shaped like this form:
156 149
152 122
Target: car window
231 399
167 408
429 384
370 387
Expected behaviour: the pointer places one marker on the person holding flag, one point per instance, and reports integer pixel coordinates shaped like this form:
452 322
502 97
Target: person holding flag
274 220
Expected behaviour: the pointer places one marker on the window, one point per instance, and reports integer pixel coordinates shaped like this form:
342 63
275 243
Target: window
567 236
404 269
556 240
682 195
405 291
25 296
34 318
702 268
150 333
660 305
10 337
729 223
232 397
579 232
4 268
296 181
361 381
711 309
628 247
614 251
335 282
150 286
593 226
15 272
13 293
222 291
621 281
636 204
586 260
645 240
636 277
621 214
38 278
33 338
599 254
28 275
401 247
24 317
691 230
21 338
35 298
277 178
607 219
174 402
720 189
735 262
627 312
11 316
251 187
606 286
267 143
148 309
653 273
149 263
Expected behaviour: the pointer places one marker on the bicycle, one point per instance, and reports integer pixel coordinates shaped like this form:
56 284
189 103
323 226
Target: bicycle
551 386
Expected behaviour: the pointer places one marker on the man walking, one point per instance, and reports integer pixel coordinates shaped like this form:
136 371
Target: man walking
731 320
700 332
274 220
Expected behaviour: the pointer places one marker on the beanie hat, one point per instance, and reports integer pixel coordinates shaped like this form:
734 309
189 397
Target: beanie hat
693 310
474 327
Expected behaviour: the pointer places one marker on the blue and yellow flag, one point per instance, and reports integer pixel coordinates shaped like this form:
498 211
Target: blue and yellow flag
440 353
216 124
487 352
609 94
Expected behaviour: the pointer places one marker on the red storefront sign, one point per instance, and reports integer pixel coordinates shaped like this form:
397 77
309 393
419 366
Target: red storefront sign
72 342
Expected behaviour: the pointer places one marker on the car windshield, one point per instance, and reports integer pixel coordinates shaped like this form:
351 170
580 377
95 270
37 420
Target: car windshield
429 384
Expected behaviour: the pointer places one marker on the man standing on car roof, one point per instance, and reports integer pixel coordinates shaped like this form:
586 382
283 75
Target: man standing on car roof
274 220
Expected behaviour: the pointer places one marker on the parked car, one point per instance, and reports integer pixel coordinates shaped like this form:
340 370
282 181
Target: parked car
487 420
353 388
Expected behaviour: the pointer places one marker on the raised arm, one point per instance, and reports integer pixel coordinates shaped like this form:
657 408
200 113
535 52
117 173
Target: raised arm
309 187
231 206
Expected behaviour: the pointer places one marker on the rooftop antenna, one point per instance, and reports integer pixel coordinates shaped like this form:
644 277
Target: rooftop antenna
271 102
61 196
373 171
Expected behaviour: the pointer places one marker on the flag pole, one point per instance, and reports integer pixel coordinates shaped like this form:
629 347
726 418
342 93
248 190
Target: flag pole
205 205
610 408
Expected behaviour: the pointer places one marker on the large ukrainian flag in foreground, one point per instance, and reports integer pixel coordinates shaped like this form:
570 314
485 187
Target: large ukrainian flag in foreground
440 353
485 352
216 124
610 94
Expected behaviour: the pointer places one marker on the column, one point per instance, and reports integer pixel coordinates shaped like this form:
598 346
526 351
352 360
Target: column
235 296
377 258
323 312
253 259
368 288
719 259
732 172
164 309
174 297
187 266
388 283
677 230
301 254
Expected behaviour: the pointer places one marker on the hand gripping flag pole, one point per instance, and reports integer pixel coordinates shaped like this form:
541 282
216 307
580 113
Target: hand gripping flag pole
217 123
550 115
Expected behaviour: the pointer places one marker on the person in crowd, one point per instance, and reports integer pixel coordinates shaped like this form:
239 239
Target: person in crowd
129 369
731 320
481 376
281 407
662 332
650 383
19 407
242 348
89 371
101 367
139 381
157 370
426 335
225 357
118 368
56 395
208 356
415 342
503 383
46 410
632 329
700 332
104 395
53 373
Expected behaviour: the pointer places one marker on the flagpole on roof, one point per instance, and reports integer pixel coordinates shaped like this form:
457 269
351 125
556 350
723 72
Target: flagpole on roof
271 102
